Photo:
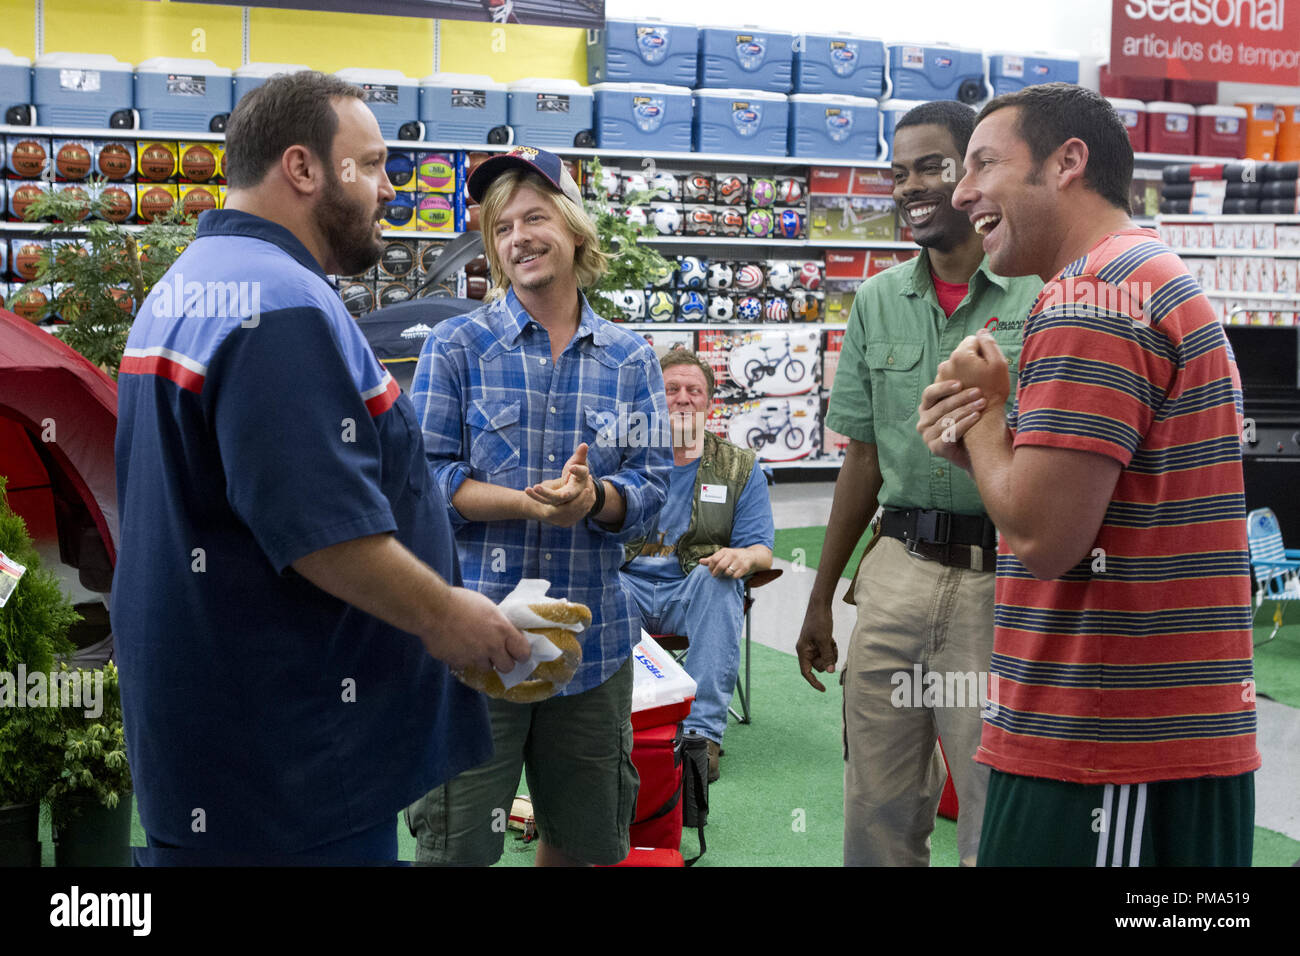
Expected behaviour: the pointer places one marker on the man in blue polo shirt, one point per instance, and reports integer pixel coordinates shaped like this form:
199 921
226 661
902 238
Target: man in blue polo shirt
283 601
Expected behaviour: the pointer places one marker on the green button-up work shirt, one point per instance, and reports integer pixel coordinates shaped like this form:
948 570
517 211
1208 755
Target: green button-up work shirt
896 337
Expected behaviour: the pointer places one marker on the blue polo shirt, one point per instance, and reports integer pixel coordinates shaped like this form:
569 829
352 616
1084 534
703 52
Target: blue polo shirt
255 427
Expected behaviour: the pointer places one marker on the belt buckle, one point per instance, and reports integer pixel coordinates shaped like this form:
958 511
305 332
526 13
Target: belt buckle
934 527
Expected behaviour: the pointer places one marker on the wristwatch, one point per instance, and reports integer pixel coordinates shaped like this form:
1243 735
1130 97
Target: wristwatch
599 506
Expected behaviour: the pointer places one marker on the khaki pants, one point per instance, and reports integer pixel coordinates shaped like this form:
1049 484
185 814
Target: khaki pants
913 612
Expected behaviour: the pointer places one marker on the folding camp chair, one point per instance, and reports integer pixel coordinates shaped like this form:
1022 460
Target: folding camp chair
1275 568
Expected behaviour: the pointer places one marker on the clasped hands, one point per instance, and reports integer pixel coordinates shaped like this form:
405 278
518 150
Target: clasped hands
972 382
566 500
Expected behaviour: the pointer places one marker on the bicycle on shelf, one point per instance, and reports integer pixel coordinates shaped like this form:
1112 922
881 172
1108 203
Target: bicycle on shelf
757 437
760 368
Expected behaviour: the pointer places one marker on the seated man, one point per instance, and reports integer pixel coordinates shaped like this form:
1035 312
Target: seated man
714 530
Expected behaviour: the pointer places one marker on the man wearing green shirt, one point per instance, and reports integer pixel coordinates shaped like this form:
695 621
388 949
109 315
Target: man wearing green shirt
919 654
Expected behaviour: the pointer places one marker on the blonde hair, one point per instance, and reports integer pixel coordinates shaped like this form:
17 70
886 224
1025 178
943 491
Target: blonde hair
589 263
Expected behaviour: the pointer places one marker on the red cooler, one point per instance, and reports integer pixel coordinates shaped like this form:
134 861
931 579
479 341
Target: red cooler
1129 87
1196 92
1134 115
1171 128
657 756
1221 131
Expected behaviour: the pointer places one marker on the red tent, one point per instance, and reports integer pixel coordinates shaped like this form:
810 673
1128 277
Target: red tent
58 416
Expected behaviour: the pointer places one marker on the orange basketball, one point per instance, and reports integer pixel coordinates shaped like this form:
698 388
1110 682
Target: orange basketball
154 202
115 161
27 158
196 201
23 196
28 305
157 162
72 161
198 165
27 259
118 205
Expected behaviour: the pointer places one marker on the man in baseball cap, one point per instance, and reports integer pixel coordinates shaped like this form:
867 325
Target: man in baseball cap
505 395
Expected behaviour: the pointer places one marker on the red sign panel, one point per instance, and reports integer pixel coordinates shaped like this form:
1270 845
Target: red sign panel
1243 41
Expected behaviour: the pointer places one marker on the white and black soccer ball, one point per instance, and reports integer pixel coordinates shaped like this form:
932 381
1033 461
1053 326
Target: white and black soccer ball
690 307
631 302
721 308
720 276
667 220
691 272
780 276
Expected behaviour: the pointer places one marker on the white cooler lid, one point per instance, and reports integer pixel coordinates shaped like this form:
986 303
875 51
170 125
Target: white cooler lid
357 75
269 69
1160 107
840 35
1237 111
169 64
543 85
741 95
657 679
8 58
635 88
1122 104
475 81
900 106
834 99
650 22
81 61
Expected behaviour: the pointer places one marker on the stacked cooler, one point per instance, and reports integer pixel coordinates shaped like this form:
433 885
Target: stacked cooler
1241 188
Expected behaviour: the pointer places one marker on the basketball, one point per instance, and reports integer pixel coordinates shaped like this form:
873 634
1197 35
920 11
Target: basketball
29 304
198 165
118 204
436 171
436 211
123 299
157 163
72 161
27 158
196 201
155 201
114 161
79 194
23 196
27 259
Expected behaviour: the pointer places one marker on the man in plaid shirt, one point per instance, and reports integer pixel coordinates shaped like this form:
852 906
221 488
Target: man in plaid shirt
544 428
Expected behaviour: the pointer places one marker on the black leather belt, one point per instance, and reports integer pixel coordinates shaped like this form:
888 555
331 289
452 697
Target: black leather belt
951 539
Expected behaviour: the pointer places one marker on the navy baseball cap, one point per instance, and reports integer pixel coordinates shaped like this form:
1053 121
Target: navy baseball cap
548 165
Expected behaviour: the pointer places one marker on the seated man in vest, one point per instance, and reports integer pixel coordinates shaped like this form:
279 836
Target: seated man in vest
714 531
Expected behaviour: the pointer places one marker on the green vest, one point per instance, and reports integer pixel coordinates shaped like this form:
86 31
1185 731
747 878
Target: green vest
721 463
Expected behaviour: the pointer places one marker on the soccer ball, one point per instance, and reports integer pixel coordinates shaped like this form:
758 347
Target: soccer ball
750 308
749 277
780 277
661 276
810 276
729 220
690 272
660 305
721 308
667 220
762 192
609 182
636 216
759 222
698 188
664 186
699 221
720 276
634 183
777 310
788 192
631 302
690 306
789 224
731 189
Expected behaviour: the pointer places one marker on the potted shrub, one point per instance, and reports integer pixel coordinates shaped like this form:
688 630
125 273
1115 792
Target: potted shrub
633 265
90 801
98 279
34 625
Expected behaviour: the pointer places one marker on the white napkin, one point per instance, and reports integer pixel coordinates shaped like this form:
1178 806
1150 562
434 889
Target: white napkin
516 608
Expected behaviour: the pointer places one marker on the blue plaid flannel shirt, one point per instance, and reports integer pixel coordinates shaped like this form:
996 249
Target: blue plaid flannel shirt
495 408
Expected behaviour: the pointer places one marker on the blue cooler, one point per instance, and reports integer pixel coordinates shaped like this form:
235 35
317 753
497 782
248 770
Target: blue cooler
891 111
1009 72
839 63
936 73
827 126
392 96
751 122
463 108
644 116
746 59
192 96
550 113
15 89
643 51
83 89
252 75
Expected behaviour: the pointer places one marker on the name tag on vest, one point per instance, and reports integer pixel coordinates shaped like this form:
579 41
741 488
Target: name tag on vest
714 493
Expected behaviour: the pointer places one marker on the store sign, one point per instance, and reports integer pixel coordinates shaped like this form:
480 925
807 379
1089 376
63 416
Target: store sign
587 14
1244 41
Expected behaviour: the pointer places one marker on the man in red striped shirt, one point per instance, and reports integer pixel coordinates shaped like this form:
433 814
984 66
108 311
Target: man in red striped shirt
1122 722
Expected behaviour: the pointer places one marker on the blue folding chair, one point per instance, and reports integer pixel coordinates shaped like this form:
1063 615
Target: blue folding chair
1276 570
